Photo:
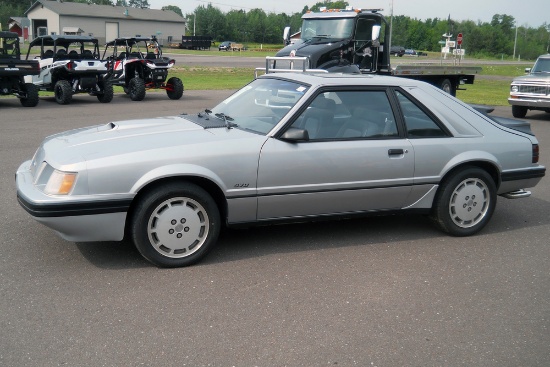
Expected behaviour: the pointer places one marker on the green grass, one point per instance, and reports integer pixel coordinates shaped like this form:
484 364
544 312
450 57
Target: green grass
202 78
487 92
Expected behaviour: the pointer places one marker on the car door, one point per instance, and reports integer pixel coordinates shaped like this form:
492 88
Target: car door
353 160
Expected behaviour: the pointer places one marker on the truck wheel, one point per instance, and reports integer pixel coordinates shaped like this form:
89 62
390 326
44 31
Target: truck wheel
448 87
106 95
519 112
136 89
465 202
63 92
31 92
175 225
174 88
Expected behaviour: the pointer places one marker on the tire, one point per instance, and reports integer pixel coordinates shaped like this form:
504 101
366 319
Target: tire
174 88
465 202
126 90
519 112
175 225
136 89
63 92
31 92
447 87
107 93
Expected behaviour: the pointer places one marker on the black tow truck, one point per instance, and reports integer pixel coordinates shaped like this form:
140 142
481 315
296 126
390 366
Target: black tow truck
13 70
358 41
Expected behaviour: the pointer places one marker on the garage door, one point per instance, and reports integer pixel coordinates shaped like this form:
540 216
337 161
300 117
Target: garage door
111 31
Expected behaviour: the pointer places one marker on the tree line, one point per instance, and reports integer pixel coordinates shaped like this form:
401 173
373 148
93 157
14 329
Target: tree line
501 37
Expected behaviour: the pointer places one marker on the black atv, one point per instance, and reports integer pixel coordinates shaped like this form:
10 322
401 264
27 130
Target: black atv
13 71
137 64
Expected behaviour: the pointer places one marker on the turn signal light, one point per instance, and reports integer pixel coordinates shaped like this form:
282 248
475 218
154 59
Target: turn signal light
535 153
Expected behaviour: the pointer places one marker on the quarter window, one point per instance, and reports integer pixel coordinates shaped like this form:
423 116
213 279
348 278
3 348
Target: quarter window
419 124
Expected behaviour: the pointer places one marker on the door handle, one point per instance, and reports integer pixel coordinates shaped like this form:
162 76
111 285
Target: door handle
396 152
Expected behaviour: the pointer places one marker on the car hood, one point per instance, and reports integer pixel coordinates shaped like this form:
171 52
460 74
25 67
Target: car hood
533 78
124 138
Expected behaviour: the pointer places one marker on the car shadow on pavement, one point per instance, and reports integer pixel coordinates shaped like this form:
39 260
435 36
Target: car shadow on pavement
260 241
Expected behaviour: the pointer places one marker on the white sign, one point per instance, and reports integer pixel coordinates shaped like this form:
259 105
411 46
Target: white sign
450 44
459 51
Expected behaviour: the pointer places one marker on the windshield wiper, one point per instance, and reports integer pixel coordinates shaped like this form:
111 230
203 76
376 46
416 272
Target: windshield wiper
226 119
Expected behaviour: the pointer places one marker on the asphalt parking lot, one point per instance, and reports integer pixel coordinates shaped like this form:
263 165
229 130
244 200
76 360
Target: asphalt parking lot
383 291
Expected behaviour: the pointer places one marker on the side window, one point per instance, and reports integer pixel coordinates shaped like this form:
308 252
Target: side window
349 115
419 124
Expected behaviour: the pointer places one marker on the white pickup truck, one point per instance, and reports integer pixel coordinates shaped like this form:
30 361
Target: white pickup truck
532 91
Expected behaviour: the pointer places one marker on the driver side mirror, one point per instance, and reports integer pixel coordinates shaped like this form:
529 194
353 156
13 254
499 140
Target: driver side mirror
293 135
286 36
376 32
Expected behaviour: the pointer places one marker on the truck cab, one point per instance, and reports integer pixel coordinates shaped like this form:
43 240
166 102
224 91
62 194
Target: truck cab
342 40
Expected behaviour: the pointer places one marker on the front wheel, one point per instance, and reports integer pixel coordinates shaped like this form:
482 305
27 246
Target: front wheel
174 88
519 112
31 95
63 92
136 89
175 225
465 202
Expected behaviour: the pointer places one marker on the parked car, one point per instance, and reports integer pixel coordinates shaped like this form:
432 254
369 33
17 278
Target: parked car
286 147
531 91
397 51
225 46
410 52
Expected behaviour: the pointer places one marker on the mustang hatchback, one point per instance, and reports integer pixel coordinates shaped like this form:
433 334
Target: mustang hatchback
286 147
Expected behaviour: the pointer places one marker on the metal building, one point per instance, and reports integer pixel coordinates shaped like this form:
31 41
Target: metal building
104 22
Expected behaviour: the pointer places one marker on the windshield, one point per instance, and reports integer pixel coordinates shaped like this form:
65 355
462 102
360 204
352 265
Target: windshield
542 66
260 105
8 48
326 28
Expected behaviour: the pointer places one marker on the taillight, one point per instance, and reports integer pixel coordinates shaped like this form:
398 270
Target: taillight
69 65
535 153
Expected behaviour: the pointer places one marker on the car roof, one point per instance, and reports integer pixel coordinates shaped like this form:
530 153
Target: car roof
60 40
122 41
5 34
343 79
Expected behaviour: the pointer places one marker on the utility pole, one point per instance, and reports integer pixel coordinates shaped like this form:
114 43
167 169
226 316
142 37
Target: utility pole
391 25
515 43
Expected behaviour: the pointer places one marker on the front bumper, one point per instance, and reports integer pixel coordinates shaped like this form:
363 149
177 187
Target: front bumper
87 219
531 102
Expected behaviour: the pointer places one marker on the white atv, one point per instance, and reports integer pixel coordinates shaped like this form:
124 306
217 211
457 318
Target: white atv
70 65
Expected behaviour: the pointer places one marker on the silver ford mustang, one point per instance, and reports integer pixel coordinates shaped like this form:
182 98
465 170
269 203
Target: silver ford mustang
286 147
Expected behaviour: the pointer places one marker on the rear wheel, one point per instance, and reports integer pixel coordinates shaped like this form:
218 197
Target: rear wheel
465 202
174 88
136 89
31 95
519 111
175 225
447 87
63 92
106 94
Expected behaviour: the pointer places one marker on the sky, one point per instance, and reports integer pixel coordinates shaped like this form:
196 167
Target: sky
532 13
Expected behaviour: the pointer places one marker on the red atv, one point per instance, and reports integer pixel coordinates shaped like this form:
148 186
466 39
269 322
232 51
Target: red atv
137 64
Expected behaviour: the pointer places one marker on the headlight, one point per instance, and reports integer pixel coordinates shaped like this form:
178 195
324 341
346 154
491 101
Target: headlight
60 183
514 89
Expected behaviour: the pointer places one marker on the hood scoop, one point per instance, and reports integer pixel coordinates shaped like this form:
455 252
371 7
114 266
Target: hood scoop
206 121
